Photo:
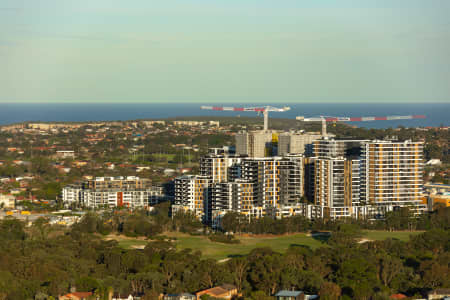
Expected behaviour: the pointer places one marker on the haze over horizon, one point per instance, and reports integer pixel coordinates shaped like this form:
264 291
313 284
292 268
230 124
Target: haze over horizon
224 51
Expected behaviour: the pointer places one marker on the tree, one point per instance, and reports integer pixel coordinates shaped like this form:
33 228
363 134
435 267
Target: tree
265 270
358 275
329 291
435 274
345 235
12 229
260 295
87 283
238 268
231 222
389 268
41 228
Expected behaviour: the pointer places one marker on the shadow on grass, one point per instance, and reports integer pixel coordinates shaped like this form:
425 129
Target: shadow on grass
322 237
300 246
236 255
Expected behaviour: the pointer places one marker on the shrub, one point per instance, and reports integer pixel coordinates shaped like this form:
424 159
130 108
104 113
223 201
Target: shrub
222 238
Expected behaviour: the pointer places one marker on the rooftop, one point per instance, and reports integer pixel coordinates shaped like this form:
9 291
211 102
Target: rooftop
285 293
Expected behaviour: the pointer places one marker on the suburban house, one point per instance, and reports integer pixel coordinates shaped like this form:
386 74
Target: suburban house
118 296
183 296
438 294
76 296
290 295
225 291
7 201
397 296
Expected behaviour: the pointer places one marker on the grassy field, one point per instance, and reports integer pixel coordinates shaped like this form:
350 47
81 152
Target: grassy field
219 251
379 235
278 243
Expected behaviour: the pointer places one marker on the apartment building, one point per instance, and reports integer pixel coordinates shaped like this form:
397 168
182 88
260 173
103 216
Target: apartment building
251 186
254 143
392 175
361 178
337 186
116 182
192 193
131 192
326 148
343 178
220 167
296 142
279 179
238 196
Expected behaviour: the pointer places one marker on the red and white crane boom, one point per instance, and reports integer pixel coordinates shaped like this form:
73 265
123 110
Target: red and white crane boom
264 110
325 119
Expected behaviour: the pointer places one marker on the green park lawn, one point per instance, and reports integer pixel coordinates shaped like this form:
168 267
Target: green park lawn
220 251
379 235
277 243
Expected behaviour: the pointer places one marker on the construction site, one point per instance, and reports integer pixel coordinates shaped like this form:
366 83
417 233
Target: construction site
279 174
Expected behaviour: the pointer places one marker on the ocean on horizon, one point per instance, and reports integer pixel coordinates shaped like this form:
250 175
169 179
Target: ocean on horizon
437 114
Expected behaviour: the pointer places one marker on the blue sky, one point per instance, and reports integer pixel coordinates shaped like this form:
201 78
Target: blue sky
224 51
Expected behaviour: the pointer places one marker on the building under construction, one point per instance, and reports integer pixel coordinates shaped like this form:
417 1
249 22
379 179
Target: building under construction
296 142
341 178
272 143
255 143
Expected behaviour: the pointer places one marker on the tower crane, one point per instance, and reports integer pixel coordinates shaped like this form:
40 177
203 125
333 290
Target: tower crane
325 119
264 110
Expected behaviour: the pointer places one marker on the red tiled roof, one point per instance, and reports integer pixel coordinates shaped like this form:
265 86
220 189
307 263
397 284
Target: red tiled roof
397 296
80 295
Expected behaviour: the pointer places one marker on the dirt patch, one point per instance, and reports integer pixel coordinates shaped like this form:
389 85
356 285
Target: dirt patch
362 241
121 237
265 235
138 247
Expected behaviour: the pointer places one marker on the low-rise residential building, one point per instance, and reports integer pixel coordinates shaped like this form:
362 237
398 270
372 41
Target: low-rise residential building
121 296
188 123
290 295
131 192
438 294
76 296
182 296
65 154
294 295
225 291
7 201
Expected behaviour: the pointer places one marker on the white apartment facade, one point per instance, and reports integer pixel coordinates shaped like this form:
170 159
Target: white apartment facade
131 192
